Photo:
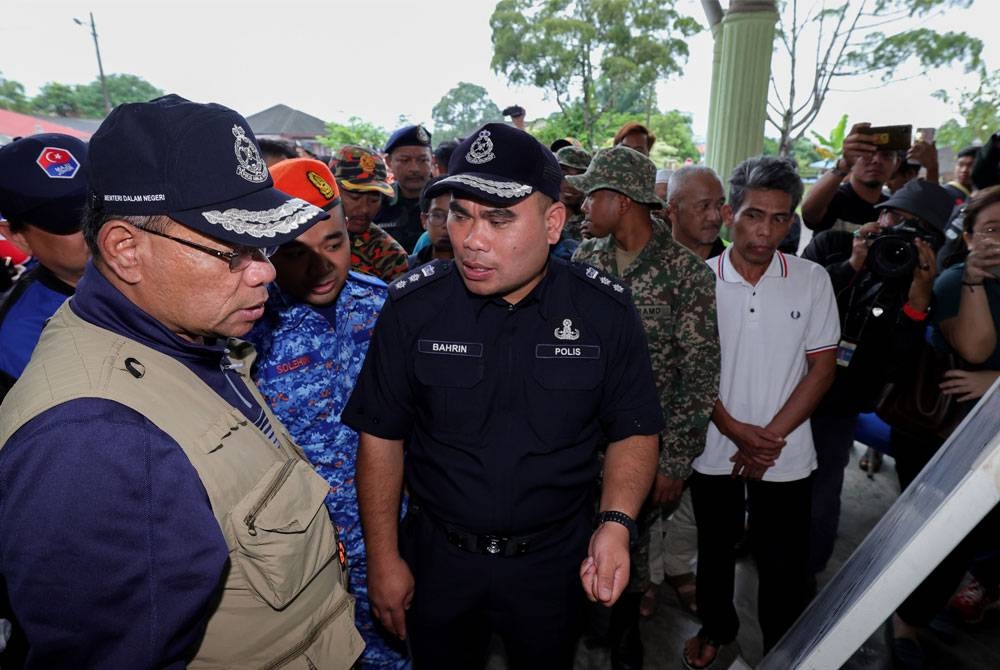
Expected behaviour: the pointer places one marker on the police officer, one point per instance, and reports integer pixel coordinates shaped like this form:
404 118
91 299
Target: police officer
515 366
43 186
408 154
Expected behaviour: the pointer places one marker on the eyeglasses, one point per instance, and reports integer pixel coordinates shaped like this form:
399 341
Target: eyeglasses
238 259
437 218
895 217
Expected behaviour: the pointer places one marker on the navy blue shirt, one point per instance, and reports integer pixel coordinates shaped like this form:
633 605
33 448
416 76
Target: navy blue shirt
504 407
110 550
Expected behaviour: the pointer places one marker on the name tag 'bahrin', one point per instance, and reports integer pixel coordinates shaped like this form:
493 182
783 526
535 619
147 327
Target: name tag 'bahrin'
567 351
473 349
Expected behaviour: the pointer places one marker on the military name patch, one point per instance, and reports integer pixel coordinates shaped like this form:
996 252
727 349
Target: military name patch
653 310
474 349
567 351
297 363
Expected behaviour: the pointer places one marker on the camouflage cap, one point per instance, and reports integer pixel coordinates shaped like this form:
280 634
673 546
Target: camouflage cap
359 169
574 157
623 170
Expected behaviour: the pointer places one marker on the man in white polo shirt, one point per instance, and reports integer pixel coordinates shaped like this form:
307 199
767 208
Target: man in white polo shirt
779 330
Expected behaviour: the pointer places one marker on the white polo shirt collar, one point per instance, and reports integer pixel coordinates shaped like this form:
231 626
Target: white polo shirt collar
726 272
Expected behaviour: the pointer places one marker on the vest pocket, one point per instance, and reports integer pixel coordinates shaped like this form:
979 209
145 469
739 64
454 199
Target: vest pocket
283 532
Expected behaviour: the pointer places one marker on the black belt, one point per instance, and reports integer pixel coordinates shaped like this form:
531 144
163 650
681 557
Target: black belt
491 544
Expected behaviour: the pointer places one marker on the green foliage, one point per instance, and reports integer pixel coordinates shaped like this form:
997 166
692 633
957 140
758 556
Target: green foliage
355 131
833 40
674 137
55 99
979 115
12 95
463 109
80 100
832 146
567 46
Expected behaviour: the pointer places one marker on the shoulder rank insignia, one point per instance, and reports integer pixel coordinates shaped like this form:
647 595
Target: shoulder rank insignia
607 283
421 276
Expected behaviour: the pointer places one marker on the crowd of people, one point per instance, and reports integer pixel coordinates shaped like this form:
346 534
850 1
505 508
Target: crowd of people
268 409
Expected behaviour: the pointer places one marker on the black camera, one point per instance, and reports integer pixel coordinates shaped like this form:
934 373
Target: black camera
893 255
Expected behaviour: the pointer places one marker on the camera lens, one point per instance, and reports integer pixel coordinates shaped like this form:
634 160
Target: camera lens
892 257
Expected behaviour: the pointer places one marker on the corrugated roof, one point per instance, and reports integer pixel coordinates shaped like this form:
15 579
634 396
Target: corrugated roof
284 121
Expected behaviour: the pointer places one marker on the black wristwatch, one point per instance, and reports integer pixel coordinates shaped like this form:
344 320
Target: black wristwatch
622 518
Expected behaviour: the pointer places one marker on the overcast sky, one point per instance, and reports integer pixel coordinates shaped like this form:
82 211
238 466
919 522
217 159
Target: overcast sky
377 59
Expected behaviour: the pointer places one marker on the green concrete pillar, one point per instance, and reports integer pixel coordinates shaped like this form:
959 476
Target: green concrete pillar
740 78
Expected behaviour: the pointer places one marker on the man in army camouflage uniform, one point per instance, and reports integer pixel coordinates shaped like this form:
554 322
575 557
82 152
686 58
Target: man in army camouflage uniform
674 292
362 177
573 161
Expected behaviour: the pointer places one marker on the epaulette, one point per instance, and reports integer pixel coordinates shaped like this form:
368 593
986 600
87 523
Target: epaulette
606 283
366 280
424 275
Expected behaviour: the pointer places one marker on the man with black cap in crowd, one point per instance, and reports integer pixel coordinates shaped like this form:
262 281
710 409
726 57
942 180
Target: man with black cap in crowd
43 187
674 292
516 366
155 512
408 155
882 276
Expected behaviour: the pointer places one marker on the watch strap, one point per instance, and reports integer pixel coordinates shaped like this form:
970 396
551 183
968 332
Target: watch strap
624 519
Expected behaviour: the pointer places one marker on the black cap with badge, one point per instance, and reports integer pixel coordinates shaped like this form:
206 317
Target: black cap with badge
197 163
43 182
500 165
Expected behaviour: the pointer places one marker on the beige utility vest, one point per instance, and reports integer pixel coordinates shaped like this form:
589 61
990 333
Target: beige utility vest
283 603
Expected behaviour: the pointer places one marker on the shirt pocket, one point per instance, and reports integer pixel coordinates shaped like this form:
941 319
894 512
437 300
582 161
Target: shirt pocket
452 394
569 391
283 533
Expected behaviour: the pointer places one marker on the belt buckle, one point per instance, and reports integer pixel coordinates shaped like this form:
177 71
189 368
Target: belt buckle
492 545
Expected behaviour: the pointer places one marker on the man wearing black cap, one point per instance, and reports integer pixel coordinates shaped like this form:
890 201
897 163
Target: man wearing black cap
882 276
408 155
43 186
155 512
516 367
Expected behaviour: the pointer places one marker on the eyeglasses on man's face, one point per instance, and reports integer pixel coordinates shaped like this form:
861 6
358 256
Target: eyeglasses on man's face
238 259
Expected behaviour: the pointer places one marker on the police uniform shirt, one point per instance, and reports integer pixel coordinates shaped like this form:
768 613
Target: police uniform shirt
503 407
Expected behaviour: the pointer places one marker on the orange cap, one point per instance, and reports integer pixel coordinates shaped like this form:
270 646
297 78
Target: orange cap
306 178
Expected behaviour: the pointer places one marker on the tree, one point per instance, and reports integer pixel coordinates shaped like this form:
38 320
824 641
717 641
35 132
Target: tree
57 99
12 95
463 109
833 40
122 88
566 46
355 131
980 115
674 137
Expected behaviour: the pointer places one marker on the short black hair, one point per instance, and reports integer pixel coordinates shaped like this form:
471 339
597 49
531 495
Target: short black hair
280 149
425 202
967 152
770 173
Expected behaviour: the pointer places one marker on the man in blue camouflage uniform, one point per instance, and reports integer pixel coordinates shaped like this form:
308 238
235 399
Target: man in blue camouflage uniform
674 292
311 343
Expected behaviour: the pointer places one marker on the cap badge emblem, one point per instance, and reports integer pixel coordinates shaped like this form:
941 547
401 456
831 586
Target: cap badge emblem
367 162
251 165
422 135
321 184
57 163
481 150
567 332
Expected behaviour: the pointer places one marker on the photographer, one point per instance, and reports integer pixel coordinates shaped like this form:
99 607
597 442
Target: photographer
882 276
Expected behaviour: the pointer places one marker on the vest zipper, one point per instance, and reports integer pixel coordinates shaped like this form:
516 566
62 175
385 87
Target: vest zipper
272 489
311 636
